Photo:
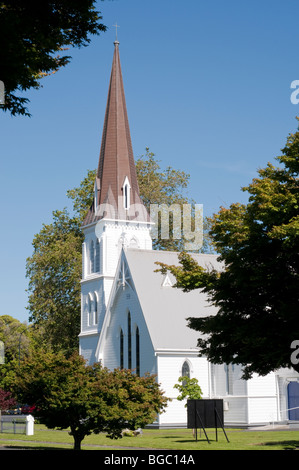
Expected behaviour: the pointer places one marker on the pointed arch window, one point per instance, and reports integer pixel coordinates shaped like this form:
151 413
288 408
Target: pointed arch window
186 370
229 368
96 319
129 342
121 349
89 310
137 340
91 256
97 255
126 194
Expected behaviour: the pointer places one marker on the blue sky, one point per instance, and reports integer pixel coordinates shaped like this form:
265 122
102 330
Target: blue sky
207 87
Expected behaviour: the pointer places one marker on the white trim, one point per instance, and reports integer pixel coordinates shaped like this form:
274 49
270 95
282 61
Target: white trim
90 332
95 276
177 352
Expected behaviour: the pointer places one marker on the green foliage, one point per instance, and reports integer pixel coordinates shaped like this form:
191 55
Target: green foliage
83 195
15 336
257 291
54 272
161 187
67 393
156 185
188 388
33 37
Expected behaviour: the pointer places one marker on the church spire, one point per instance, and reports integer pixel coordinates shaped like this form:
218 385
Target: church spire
116 178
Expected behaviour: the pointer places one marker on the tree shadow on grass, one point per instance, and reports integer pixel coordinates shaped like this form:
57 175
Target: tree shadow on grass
287 445
41 448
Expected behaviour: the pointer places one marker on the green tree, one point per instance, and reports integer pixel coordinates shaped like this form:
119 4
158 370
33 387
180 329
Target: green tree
86 399
54 272
159 186
83 195
188 388
33 38
257 291
15 336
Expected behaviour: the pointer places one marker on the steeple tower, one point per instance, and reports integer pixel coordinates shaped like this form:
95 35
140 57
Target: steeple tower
116 219
116 184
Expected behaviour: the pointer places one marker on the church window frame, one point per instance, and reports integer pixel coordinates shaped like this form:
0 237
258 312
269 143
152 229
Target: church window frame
97 256
126 194
89 309
229 370
186 370
137 350
121 349
129 322
91 257
96 309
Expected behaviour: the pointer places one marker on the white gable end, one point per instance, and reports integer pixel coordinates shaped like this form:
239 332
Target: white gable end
119 340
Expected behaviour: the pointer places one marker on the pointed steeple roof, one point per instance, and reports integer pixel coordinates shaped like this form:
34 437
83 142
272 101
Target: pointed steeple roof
116 166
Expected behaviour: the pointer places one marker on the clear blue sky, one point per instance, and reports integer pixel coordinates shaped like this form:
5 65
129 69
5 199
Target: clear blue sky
207 86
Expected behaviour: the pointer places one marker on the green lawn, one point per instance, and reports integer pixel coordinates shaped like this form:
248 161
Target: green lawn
171 439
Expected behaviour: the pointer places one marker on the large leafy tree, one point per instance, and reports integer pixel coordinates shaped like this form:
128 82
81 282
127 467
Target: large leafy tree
33 38
257 292
68 394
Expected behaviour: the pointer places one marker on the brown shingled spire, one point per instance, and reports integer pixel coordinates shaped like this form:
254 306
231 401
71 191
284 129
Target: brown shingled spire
116 162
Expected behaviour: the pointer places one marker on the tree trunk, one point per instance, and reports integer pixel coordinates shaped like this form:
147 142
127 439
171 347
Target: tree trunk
78 436
77 441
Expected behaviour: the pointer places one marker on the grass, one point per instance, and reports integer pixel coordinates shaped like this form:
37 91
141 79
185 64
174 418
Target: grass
171 439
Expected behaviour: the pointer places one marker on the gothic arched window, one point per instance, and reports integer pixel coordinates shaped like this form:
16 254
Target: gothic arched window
97 261
129 342
89 310
126 193
91 256
95 309
186 370
137 351
121 349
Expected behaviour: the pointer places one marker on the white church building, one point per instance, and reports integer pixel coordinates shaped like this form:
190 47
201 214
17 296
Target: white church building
132 317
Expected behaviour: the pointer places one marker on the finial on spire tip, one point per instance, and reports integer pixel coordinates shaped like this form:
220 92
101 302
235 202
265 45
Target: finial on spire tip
116 26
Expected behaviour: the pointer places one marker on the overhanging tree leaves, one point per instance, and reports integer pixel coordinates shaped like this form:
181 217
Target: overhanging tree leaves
257 292
33 36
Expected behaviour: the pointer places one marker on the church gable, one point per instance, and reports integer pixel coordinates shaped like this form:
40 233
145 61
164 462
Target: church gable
125 341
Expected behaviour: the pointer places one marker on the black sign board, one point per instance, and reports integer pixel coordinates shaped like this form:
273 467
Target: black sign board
205 414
